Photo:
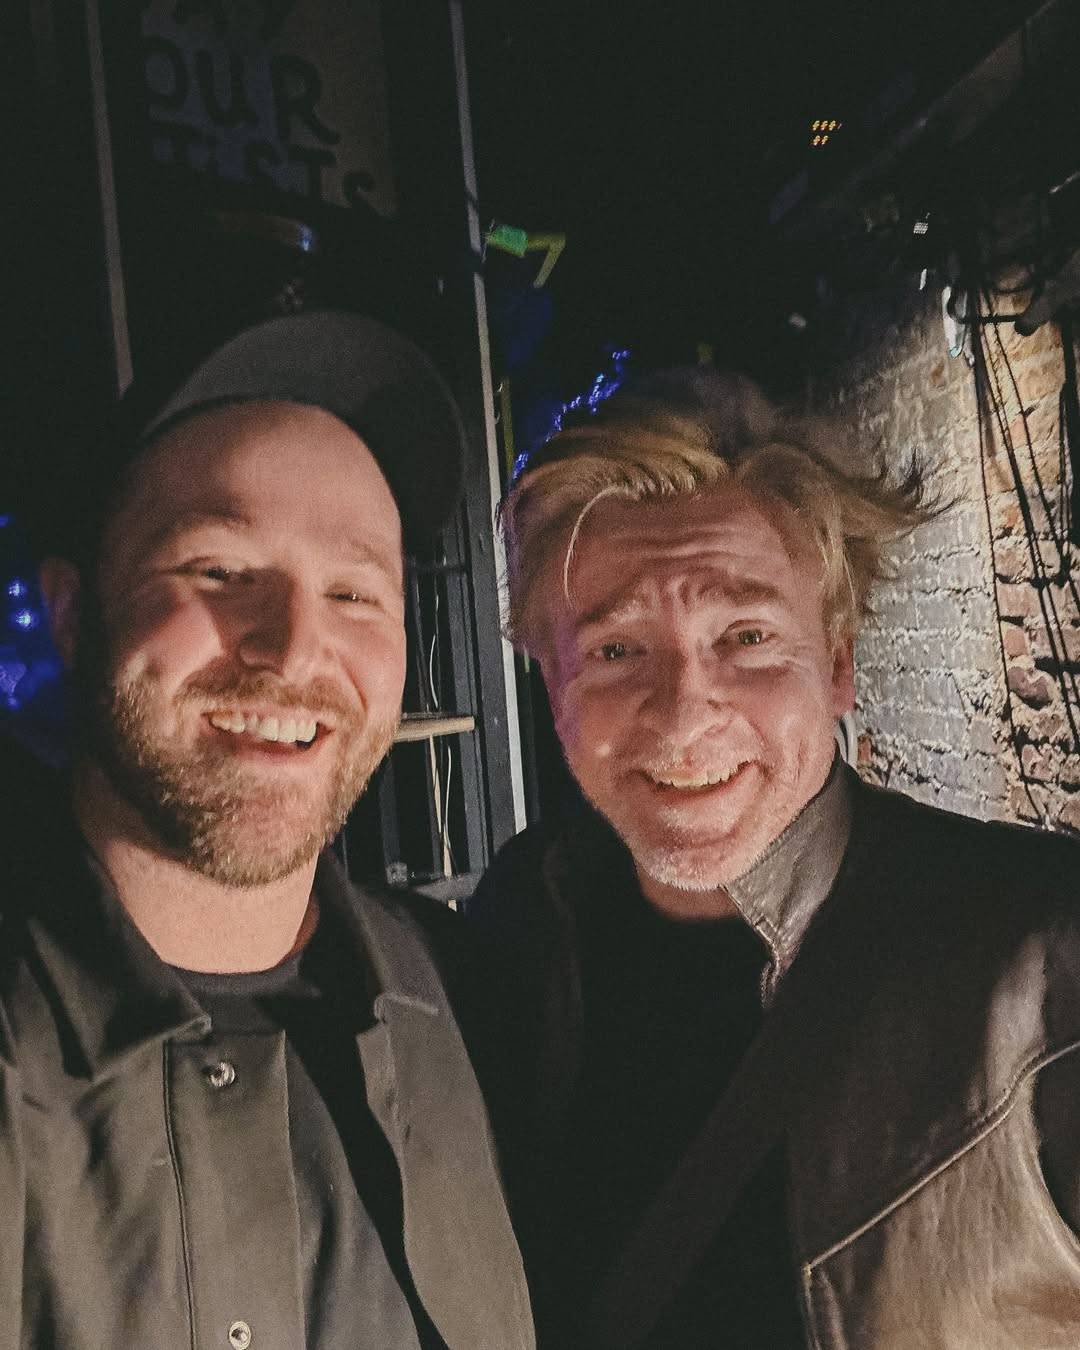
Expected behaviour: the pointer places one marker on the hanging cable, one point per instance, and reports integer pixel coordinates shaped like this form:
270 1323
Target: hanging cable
981 411
1052 624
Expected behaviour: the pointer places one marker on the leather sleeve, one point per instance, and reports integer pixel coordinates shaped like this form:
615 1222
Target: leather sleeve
1057 1092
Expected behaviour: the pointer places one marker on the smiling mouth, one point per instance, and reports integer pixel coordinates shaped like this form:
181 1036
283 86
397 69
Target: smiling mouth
300 732
698 780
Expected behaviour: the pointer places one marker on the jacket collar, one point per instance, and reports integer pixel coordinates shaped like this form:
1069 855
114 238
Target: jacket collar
785 887
116 994
779 893
112 989
782 891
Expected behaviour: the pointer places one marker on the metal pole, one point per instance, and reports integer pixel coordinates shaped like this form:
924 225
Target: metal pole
110 226
468 164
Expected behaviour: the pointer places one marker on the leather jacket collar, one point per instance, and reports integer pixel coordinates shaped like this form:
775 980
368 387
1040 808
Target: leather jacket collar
782 891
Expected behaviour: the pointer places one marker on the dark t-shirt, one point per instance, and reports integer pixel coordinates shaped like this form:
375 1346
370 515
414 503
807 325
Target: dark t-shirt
357 1288
670 1009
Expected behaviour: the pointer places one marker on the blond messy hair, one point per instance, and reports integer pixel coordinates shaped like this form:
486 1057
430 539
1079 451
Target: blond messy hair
694 431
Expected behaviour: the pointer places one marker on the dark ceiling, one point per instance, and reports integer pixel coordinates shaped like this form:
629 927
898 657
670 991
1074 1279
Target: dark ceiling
653 135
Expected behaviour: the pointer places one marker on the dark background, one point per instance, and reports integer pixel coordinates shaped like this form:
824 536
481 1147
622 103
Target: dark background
654 136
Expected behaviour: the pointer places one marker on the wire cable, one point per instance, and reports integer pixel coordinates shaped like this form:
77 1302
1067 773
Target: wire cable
981 392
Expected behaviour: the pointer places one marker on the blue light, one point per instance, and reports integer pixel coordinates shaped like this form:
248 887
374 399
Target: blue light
24 618
17 589
603 386
11 672
606 383
4 520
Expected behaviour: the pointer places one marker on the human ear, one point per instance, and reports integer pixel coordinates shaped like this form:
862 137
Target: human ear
61 587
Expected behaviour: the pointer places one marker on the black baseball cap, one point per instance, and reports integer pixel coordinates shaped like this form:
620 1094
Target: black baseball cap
371 377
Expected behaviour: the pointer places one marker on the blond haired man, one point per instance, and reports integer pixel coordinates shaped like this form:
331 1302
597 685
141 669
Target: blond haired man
793 1057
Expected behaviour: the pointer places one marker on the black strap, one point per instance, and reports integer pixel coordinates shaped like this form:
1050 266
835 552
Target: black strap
673 1235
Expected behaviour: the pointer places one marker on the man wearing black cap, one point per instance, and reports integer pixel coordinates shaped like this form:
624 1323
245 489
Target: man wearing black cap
235 1109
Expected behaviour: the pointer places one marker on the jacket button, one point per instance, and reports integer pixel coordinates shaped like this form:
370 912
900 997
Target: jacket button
239 1335
223 1075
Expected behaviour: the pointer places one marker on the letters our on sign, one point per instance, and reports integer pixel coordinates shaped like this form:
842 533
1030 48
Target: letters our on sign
241 111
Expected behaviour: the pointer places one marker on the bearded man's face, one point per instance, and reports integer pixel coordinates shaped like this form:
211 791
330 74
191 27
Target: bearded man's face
240 667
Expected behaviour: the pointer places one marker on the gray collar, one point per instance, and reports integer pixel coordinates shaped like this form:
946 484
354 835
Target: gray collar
119 996
780 893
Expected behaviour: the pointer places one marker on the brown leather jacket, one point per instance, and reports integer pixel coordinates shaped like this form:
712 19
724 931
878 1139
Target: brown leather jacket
935 1157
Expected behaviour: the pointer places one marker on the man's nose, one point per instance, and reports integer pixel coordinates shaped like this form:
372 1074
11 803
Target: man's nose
690 693
283 633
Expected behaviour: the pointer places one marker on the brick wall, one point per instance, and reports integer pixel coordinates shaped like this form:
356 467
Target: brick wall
966 693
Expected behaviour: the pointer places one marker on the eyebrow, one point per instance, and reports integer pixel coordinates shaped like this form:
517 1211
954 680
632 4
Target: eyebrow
738 593
357 549
744 592
228 518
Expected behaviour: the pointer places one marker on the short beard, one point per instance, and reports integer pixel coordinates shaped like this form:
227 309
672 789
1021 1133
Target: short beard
676 867
199 804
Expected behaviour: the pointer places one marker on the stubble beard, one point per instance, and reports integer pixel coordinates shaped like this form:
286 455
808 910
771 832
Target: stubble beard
227 821
677 856
671 855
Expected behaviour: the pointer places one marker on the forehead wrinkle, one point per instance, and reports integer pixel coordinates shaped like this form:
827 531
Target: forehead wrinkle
732 589
616 612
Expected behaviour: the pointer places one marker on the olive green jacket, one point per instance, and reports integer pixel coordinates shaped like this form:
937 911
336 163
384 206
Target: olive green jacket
134 1197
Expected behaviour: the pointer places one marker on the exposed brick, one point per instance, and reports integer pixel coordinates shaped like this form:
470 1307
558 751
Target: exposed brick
1038 764
1016 642
1017 602
1020 805
1007 517
1012 561
1039 376
1052 726
1035 690
981 736
931 688
1067 816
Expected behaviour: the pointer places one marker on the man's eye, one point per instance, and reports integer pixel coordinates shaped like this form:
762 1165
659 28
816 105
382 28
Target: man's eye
216 572
613 651
750 637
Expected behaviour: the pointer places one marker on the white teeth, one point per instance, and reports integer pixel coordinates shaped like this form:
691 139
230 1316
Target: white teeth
698 780
283 730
